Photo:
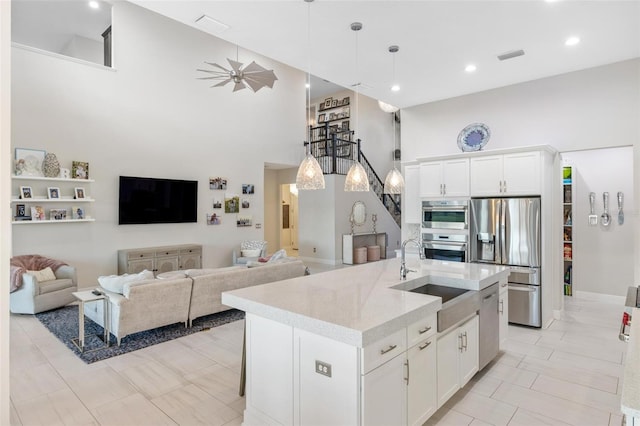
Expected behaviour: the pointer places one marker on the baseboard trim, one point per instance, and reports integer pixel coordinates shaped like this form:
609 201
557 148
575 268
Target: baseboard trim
599 297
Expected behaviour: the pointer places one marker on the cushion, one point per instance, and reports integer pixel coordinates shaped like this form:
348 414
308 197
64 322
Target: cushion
251 252
115 283
51 286
171 275
43 275
280 254
254 264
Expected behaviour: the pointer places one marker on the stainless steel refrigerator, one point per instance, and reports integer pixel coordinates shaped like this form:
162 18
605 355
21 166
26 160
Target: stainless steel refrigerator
506 231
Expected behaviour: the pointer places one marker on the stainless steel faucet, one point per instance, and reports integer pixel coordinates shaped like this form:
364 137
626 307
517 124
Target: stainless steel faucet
403 266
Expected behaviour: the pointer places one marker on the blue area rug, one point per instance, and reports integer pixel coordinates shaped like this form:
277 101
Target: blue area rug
63 323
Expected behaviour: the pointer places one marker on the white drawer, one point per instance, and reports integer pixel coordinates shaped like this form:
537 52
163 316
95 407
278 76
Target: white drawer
422 329
133 255
383 350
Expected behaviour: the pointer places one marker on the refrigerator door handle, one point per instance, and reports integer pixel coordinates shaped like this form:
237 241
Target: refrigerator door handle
527 289
503 231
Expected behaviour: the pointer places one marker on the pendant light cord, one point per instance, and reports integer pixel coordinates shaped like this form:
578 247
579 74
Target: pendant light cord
308 76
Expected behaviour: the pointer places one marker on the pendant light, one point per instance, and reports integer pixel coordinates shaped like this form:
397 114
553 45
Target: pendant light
310 174
357 179
394 182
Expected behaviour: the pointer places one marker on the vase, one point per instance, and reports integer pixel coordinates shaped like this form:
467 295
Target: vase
51 165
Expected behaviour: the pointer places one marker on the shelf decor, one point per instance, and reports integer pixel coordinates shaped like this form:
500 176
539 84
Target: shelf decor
51 165
79 170
29 162
473 137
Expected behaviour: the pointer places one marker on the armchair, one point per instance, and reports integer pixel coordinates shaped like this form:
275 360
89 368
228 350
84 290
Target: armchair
35 296
249 250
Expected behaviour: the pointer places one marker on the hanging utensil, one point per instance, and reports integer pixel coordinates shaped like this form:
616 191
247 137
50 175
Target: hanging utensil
593 217
606 219
620 212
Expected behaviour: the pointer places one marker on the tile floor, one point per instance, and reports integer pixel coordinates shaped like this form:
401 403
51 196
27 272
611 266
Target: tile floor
569 374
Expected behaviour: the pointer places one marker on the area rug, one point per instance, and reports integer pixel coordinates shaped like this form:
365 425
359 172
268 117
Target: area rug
63 323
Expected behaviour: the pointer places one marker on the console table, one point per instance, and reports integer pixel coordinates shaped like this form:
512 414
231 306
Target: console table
364 239
159 259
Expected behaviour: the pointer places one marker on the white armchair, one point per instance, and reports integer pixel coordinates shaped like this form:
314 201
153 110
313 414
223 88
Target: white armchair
34 297
249 250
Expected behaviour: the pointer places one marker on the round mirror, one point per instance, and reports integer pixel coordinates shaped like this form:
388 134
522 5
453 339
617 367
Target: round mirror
358 213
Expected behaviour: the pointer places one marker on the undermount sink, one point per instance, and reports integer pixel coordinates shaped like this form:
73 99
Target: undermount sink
446 293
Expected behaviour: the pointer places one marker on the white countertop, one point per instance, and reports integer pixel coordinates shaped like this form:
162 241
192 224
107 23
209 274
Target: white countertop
630 400
356 305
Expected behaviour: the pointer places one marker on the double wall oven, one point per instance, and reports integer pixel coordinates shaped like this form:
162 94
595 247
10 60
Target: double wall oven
445 230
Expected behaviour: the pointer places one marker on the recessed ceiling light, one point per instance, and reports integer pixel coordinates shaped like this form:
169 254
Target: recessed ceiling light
395 88
212 25
470 68
572 41
94 4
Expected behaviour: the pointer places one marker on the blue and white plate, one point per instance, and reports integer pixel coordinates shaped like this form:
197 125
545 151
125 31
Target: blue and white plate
473 137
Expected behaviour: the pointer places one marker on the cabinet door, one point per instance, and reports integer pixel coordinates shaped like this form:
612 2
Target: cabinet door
422 399
486 175
412 203
384 394
522 173
448 350
190 261
431 179
455 177
503 310
166 264
469 360
139 265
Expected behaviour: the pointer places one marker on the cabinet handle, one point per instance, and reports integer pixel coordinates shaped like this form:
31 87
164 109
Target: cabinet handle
503 284
406 364
465 340
501 309
505 186
424 330
460 342
424 345
390 348
444 189
441 189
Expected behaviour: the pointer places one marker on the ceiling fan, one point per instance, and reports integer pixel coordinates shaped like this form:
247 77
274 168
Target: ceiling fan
253 75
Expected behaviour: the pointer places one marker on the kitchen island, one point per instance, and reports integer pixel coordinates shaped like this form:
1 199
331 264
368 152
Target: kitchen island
353 346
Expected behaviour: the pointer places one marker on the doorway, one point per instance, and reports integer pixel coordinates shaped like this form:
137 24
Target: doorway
289 218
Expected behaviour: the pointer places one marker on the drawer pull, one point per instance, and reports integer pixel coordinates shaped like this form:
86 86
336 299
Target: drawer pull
390 348
424 345
424 330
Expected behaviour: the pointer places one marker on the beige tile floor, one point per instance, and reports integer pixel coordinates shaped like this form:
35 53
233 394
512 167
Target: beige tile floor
568 374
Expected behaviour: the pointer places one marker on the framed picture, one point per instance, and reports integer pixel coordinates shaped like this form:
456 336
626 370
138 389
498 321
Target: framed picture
29 162
217 204
231 204
327 104
26 192
53 193
37 213
245 204
334 103
213 219
58 214
243 221
332 116
21 212
248 188
321 118
217 183
78 193
345 101
77 213
345 125
79 170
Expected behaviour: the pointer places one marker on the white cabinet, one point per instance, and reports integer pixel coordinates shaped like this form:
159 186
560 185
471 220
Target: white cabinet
457 359
508 174
412 203
159 259
503 311
448 178
422 399
384 394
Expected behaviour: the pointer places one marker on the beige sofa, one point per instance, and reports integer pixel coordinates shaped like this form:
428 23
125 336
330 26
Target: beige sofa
208 284
144 305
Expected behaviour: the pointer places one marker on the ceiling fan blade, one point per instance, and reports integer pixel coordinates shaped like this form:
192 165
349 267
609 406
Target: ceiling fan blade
254 84
267 78
218 66
239 86
222 83
235 65
252 67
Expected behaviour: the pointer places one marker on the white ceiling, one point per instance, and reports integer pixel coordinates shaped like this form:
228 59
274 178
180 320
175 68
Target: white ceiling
437 39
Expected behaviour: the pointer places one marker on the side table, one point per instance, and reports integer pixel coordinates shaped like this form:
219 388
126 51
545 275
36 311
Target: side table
85 297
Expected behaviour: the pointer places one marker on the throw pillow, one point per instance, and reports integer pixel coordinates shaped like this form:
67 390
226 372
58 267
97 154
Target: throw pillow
115 283
251 253
254 264
43 275
278 255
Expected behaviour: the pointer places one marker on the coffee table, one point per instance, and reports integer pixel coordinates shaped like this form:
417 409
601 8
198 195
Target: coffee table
86 297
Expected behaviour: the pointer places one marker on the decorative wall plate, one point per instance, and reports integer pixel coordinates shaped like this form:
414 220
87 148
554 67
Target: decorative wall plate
473 137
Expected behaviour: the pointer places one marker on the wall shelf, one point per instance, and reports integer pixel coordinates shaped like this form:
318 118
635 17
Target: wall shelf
29 222
42 178
567 229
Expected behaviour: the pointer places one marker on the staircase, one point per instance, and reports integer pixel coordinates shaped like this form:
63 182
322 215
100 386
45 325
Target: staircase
336 152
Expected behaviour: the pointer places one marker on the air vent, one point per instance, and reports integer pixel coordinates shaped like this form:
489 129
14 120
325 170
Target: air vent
361 85
512 54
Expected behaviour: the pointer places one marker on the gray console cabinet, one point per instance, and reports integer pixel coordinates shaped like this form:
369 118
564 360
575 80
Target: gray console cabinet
159 259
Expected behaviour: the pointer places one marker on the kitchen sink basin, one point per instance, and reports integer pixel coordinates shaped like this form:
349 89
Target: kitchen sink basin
457 303
446 293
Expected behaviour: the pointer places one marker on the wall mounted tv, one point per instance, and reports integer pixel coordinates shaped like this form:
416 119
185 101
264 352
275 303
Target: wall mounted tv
148 200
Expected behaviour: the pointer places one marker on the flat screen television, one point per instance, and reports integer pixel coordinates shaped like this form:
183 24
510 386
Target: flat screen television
148 200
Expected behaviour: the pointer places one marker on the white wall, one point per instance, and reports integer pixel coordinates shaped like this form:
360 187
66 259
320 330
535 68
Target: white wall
602 256
150 116
85 48
589 109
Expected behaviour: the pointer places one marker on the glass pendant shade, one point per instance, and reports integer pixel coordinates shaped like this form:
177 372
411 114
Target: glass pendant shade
310 174
394 183
356 179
